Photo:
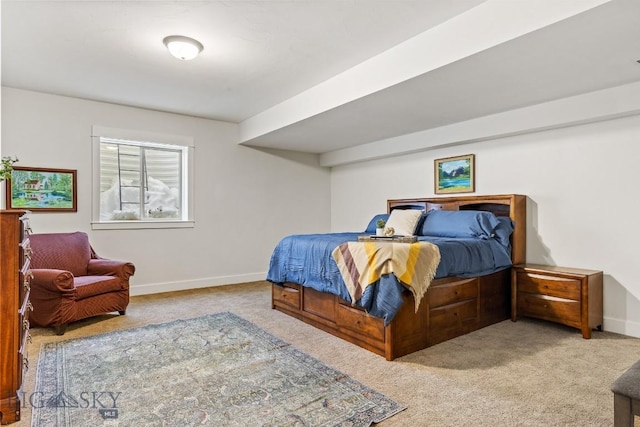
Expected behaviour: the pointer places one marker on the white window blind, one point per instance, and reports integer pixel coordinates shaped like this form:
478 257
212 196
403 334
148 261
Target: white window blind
141 183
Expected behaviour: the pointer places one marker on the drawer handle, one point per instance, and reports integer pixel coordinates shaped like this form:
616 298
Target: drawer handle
25 324
27 286
29 306
29 338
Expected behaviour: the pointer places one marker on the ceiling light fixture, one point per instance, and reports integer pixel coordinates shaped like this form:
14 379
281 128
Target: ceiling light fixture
183 47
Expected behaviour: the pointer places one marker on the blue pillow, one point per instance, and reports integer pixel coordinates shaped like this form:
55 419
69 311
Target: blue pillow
504 230
371 228
443 223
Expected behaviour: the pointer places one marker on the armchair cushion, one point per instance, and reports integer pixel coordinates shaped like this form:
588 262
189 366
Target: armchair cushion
89 286
62 251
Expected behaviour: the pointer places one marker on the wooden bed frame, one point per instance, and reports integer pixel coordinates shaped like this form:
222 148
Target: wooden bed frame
452 306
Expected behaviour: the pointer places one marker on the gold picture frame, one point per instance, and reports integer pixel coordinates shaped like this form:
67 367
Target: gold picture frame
455 174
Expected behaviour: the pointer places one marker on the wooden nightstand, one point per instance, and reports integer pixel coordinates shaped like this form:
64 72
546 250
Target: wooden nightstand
570 296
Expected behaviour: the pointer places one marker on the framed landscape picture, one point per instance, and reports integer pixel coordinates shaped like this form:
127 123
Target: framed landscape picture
455 174
42 189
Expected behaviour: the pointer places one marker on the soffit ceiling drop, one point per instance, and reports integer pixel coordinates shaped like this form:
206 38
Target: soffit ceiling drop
274 66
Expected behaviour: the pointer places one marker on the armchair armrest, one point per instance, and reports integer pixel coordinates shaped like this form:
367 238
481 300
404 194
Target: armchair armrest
108 267
53 295
52 280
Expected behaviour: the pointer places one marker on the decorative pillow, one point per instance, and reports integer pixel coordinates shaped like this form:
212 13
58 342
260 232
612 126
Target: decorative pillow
404 221
371 228
443 223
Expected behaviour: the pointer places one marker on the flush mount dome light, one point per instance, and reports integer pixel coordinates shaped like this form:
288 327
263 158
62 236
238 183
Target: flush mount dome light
183 47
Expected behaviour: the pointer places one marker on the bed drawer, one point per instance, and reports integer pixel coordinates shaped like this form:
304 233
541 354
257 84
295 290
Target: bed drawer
452 320
453 314
561 310
358 321
561 287
286 296
452 292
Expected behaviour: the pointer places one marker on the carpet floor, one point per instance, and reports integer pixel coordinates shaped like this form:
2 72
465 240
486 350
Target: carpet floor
214 370
527 373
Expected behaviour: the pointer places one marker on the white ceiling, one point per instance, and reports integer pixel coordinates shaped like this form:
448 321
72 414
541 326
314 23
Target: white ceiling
318 75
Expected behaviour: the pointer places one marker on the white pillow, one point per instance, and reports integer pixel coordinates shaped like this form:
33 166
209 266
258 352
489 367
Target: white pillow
404 221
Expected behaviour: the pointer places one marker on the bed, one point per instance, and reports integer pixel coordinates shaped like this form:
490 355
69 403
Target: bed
454 304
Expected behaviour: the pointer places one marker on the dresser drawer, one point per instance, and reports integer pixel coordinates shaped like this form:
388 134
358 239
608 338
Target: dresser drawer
24 316
453 292
287 296
555 286
359 322
24 279
565 311
24 345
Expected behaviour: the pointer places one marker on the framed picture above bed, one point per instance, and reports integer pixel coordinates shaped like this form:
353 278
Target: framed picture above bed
455 174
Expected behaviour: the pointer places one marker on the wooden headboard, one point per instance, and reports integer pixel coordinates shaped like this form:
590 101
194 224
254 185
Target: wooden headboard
512 205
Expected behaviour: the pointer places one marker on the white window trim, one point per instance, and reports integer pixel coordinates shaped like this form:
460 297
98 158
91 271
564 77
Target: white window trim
143 136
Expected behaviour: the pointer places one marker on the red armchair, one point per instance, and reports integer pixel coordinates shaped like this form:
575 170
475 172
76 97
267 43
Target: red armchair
71 282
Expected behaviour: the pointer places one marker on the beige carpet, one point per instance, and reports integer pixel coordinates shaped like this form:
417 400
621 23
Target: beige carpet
528 373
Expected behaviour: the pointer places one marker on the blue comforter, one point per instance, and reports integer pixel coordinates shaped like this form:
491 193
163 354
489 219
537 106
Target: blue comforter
306 260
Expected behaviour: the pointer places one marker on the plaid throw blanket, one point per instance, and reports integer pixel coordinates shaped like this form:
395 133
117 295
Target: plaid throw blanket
363 263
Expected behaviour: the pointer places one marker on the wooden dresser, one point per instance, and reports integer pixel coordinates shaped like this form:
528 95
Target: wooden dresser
570 296
15 256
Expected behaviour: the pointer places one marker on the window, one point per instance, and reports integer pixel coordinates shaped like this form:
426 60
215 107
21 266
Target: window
141 180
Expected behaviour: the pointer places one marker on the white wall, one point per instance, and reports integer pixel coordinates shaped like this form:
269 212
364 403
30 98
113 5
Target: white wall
246 199
580 180
583 201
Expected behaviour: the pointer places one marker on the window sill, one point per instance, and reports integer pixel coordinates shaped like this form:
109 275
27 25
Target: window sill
140 225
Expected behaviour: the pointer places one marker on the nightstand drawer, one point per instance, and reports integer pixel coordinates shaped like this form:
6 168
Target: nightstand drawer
565 311
555 286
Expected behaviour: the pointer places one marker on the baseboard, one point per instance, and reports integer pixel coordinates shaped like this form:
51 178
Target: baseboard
156 288
622 326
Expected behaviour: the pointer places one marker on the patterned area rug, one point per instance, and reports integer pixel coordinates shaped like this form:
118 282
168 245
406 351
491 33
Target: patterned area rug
216 370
